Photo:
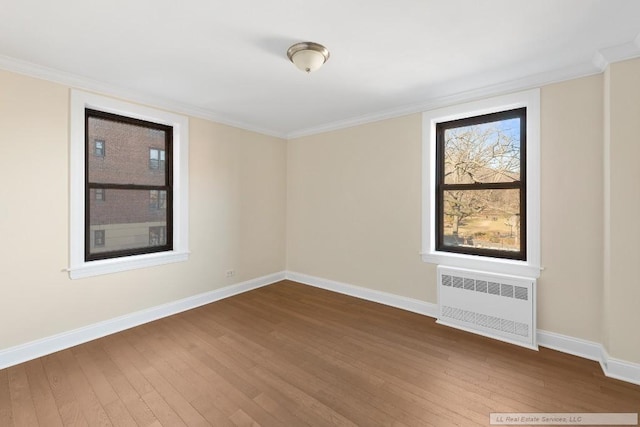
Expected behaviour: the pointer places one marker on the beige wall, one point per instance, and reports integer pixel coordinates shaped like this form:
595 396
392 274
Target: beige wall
354 210
353 207
237 218
571 197
622 191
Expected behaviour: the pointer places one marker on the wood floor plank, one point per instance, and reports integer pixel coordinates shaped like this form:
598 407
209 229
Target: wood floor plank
117 348
157 372
139 373
280 412
292 355
312 375
235 369
317 410
68 405
6 413
90 405
180 366
206 357
137 408
161 409
343 375
119 414
99 383
108 397
241 419
44 402
22 405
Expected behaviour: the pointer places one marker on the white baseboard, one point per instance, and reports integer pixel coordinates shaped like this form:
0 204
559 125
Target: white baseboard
613 368
566 344
621 369
408 304
31 350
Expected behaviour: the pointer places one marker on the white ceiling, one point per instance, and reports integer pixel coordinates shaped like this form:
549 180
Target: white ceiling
226 60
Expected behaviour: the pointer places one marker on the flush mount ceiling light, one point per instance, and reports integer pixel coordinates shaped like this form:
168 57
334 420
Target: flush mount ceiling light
308 56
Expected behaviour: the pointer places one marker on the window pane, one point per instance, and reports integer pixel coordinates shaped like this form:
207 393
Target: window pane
98 238
156 158
99 148
157 199
126 219
488 219
153 199
162 202
157 236
129 155
487 152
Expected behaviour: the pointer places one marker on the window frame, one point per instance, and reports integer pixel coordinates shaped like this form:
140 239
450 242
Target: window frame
520 185
167 187
78 266
430 253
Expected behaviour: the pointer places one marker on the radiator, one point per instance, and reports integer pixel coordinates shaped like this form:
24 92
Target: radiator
497 306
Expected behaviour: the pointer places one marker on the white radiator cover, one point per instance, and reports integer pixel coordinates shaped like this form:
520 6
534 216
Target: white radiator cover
494 305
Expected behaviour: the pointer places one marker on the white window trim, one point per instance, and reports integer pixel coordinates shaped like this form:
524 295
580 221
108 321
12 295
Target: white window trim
531 267
80 268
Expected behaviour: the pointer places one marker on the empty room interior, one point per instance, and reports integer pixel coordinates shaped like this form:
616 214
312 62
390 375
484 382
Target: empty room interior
409 213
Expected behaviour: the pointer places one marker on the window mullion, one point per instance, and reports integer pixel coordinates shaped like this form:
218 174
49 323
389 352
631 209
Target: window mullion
128 186
482 186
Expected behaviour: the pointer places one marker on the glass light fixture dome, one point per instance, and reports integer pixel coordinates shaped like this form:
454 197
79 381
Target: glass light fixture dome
308 56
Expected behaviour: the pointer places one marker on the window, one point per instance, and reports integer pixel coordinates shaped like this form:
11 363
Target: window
481 173
98 148
156 158
98 238
481 185
127 176
128 180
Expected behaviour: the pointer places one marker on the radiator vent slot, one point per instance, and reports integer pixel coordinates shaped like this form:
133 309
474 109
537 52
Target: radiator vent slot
494 288
457 282
501 307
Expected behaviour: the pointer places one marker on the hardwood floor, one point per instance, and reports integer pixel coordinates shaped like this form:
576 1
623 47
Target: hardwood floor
292 355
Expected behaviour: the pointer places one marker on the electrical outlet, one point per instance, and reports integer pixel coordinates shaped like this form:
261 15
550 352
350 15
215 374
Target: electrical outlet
231 273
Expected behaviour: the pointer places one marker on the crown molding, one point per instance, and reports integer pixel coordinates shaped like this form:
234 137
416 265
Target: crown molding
599 62
79 82
604 57
503 88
